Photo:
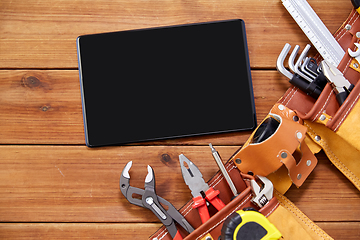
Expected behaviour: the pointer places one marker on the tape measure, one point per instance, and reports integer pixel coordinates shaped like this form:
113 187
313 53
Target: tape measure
248 224
315 30
356 4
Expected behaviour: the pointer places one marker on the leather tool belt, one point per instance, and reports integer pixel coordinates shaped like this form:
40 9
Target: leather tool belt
331 127
302 127
281 212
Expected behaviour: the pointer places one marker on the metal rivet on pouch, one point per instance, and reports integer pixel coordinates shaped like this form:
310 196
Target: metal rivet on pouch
348 27
358 34
299 176
281 107
317 138
299 135
283 155
355 65
295 118
238 161
322 117
208 238
308 163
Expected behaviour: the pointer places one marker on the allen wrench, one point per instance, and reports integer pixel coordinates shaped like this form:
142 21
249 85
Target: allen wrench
280 62
301 60
292 57
310 85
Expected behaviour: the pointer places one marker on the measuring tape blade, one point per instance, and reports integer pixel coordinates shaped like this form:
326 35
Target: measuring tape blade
315 30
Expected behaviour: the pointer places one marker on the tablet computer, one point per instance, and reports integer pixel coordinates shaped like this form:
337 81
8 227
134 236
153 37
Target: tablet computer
165 82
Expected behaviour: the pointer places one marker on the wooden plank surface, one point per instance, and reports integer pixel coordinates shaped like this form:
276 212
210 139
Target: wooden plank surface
41 34
77 184
123 231
44 107
53 187
76 230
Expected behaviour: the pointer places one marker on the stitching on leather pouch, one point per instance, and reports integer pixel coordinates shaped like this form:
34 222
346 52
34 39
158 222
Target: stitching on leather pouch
166 232
288 95
305 221
272 210
223 219
323 107
292 95
347 113
188 208
347 65
357 17
349 22
338 162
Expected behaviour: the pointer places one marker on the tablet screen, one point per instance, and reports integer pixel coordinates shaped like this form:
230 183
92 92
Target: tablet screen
166 82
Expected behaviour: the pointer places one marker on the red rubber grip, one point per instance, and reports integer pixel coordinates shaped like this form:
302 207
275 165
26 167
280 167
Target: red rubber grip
178 236
200 204
212 197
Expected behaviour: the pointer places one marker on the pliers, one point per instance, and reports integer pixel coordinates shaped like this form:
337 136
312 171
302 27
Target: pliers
342 87
199 189
151 201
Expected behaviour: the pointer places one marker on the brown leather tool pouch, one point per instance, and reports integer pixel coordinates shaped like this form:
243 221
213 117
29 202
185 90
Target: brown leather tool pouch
332 127
283 157
287 218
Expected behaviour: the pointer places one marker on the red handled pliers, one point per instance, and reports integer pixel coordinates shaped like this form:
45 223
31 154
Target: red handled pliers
199 189
151 201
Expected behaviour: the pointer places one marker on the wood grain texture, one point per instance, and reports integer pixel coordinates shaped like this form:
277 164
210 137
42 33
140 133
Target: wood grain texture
44 107
349 231
53 187
42 34
78 184
76 230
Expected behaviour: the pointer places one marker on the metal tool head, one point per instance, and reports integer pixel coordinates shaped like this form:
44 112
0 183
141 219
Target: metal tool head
356 53
263 194
335 76
150 179
280 61
127 190
192 176
292 57
300 60
150 200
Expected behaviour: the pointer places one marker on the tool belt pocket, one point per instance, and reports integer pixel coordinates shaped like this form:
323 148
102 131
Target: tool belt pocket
289 221
326 109
191 214
278 146
212 229
335 127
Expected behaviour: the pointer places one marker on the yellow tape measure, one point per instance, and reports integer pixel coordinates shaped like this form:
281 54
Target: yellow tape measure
250 225
356 4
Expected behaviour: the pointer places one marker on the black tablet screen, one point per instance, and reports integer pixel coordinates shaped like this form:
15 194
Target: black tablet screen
166 82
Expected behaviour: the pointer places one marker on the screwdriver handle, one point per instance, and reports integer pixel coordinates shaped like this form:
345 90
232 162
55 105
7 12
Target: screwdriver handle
200 204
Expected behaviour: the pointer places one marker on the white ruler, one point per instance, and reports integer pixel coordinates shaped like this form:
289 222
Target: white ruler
315 30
